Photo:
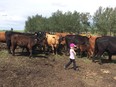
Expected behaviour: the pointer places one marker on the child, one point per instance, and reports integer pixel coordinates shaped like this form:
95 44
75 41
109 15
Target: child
72 57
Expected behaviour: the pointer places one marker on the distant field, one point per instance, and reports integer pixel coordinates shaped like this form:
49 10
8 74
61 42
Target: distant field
13 30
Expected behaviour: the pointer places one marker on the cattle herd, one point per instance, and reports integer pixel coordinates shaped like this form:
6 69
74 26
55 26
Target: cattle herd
58 43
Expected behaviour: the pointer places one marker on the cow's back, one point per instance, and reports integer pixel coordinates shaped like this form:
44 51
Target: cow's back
22 40
76 39
8 34
61 34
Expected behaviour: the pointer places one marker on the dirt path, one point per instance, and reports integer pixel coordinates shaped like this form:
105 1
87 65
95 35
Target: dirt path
21 71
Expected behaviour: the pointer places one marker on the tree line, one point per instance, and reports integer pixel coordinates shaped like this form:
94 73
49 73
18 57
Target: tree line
102 22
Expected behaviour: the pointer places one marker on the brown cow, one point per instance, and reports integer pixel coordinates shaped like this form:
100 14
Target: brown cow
2 37
91 45
62 35
88 48
23 41
62 40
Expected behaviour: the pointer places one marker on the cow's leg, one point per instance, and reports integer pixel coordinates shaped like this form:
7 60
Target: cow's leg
67 49
110 57
48 49
30 50
13 49
56 49
53 51
99 54
89 53
44 51
27 49
30 53
23 49
8 46
94 55
93 59
83 53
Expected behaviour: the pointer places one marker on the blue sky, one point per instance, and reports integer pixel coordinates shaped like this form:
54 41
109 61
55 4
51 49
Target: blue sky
14 13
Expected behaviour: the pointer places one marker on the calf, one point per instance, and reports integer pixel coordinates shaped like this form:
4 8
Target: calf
23 41
8 35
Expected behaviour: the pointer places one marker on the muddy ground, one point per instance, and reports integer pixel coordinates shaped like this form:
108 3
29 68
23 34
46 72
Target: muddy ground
48 71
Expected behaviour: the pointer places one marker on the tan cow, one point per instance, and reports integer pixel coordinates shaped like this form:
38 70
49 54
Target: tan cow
53 41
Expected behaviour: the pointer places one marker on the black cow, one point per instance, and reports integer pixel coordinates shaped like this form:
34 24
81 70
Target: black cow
104 44
43 40
24 41
77 40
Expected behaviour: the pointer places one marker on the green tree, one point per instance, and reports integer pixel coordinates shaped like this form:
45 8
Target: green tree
105 19
85 24
35 23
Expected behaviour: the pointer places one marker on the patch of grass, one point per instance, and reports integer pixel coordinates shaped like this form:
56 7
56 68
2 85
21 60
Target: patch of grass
85 60
3 53
19 30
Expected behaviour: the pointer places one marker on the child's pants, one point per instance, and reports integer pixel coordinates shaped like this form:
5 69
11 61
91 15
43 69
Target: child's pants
71 61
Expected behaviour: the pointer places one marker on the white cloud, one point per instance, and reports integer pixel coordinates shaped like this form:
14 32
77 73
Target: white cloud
14 13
